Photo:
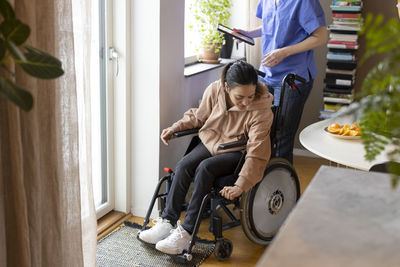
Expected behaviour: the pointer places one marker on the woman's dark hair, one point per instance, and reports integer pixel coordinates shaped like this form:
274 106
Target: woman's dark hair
240 73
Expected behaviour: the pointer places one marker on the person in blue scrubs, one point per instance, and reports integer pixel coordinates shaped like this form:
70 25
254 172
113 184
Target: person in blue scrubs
290 30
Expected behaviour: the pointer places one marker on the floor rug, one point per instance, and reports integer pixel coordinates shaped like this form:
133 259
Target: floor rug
121 248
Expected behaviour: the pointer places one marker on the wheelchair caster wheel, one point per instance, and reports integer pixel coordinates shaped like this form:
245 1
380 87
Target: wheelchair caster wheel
188 257
223 249
183 258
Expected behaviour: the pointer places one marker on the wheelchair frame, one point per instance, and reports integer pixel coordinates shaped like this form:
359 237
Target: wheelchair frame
223 247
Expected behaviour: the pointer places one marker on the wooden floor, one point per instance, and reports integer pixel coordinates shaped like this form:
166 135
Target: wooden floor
246 253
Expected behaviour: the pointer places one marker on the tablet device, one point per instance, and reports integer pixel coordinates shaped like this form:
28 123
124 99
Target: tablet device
235 34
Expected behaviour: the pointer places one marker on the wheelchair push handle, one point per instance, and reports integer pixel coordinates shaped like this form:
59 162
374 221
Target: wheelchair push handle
299 78
260 73
290 80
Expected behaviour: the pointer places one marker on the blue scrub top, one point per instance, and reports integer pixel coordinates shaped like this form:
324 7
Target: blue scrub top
288 23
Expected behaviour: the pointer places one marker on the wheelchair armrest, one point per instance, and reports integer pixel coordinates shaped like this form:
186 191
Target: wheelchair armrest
233 144
186 132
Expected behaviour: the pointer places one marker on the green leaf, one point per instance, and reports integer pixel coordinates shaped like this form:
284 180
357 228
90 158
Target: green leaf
41 64
15 51
207 15
15 94
6 10
2 48
15 30
380 105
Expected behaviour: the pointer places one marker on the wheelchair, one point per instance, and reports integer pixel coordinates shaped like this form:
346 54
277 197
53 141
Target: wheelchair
262 209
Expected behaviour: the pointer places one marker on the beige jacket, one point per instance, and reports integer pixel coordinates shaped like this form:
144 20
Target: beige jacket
219 126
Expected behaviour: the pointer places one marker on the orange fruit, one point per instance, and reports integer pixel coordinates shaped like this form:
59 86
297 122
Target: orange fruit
335 125
354 126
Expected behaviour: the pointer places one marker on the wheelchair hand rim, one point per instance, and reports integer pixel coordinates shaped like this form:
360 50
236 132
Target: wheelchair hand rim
271 200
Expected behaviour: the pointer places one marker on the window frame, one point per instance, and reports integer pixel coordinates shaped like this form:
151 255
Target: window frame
106 85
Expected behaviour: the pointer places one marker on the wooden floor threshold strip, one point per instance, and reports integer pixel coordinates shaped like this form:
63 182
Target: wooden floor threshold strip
108 224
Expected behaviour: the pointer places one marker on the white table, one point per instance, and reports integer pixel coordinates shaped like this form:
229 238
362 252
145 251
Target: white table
346 152
346 218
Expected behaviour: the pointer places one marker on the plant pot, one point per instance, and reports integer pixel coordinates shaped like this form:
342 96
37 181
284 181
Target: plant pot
209 55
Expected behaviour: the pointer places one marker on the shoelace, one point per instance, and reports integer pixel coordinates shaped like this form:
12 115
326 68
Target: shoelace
177 232
157 221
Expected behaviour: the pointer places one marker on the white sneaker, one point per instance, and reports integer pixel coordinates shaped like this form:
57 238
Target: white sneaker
176 242
159 231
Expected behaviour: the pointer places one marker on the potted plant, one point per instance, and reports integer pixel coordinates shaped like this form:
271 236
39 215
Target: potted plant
207 15
13 35
379 108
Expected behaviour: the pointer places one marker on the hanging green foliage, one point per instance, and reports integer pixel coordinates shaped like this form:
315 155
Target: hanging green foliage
379 107
207 15
13 35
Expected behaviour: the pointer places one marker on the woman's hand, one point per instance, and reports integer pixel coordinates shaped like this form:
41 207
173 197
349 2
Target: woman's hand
242 32
274 57
165 136
252 33
231 192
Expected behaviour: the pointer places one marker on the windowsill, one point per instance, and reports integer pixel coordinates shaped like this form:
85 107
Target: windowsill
199 67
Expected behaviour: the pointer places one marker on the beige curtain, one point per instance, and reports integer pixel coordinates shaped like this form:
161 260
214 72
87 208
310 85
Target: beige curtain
46 204
253 53
86 55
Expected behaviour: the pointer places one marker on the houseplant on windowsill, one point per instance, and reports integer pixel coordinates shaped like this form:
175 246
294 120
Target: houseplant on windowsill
13 35
207 15
379 108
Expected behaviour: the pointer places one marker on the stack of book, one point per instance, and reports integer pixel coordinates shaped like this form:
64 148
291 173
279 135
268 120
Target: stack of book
342 45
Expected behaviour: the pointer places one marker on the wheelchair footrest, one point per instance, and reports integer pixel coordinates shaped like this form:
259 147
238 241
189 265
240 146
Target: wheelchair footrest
230 225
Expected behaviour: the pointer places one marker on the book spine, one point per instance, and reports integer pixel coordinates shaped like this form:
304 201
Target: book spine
337 100
346 15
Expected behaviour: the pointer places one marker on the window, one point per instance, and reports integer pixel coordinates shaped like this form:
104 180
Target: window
102 184
191 37
110 108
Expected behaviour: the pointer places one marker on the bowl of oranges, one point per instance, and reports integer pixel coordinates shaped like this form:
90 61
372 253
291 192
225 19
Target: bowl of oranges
345 131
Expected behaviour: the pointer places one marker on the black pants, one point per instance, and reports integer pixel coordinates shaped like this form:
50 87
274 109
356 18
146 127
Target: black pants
202 168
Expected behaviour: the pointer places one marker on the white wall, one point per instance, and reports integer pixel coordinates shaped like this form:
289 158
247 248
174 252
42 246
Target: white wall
145 98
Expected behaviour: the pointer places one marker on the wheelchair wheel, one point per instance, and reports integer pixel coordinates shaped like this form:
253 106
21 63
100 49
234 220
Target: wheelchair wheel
223 249
266 206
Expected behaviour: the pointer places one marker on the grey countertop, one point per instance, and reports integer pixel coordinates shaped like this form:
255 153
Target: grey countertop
344 218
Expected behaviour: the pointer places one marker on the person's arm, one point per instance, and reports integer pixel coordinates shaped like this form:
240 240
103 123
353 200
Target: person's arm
255 33
194 117
317 38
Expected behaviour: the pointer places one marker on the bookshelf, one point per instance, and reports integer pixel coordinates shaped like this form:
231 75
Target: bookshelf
341 57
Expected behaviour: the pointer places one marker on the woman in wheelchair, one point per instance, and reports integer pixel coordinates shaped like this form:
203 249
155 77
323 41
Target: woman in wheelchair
235 107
